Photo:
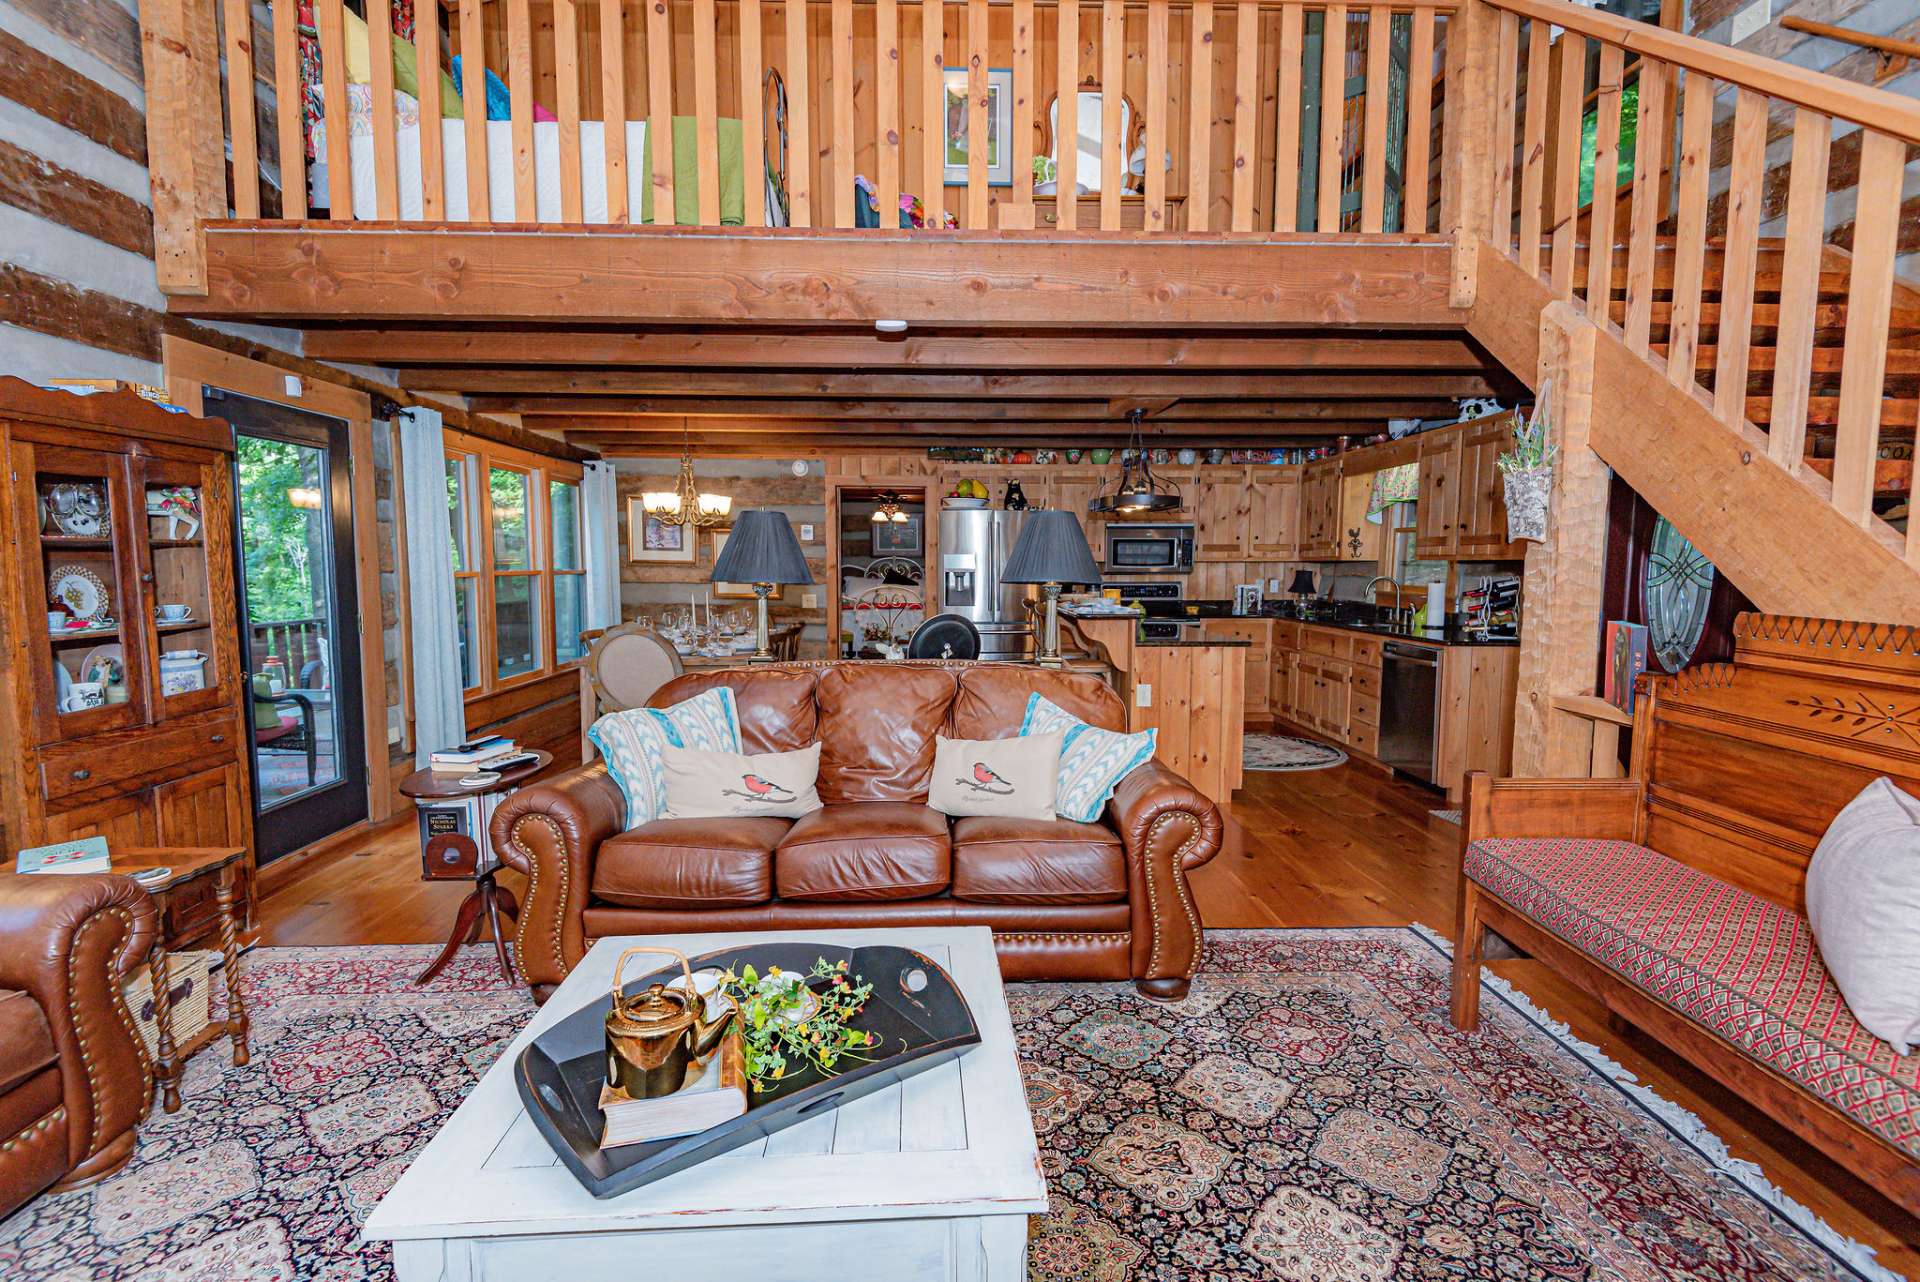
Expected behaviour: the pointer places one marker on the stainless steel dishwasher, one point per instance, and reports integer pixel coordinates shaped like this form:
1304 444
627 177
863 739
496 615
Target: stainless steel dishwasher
1410 708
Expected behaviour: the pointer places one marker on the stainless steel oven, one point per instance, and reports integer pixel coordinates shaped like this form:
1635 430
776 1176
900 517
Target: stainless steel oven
1149 549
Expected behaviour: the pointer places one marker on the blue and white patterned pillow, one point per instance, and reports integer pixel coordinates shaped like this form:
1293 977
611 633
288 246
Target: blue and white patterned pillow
1092 761
630 742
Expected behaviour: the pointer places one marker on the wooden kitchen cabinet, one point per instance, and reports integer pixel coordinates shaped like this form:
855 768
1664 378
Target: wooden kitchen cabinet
1436 534
1359 538
1221 513
1258 634
1070 491
1481 522
1320 511
1273 516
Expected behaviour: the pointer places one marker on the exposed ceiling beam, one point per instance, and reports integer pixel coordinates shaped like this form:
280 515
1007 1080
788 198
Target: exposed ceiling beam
700 408
935 431
516 390
550 277
804 446
832 351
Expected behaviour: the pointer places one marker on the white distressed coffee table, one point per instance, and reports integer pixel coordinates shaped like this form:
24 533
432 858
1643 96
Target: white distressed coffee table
931 1178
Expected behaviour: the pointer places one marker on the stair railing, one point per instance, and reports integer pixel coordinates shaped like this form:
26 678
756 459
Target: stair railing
1669 280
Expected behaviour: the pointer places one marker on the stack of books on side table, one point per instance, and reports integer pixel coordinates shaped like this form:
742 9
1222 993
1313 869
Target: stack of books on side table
488 753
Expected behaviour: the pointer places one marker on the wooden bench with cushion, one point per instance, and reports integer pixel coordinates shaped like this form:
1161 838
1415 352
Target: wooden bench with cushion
1677 896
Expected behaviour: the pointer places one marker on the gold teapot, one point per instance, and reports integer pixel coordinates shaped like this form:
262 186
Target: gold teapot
653 1035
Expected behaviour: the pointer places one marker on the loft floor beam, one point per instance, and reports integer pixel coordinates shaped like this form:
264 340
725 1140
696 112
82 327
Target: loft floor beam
647 275
583 390
839 352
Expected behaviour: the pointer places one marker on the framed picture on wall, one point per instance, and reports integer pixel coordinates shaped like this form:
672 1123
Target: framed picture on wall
897 538
999 126
651 539
732 591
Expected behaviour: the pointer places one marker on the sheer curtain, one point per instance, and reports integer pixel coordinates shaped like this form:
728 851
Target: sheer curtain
600 510
439 715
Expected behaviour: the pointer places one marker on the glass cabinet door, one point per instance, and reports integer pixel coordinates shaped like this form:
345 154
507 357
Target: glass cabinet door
83 599
187 618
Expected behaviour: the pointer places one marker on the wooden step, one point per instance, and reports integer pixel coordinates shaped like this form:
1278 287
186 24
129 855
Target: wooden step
1897 413
1892 477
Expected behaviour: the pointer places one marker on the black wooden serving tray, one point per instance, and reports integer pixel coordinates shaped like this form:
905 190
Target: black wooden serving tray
916 1010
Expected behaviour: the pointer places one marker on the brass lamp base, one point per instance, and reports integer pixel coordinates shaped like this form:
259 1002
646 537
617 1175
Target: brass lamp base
762 643
1049 656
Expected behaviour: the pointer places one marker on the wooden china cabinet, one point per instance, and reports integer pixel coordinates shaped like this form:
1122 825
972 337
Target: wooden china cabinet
125 719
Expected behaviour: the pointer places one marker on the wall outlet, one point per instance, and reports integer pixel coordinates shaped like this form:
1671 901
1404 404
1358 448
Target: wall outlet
806 534
810 600
1273 587
291 384
1751 20
1143 695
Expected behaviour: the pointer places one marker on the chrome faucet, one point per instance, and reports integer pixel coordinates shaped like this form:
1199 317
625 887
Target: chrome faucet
1393 611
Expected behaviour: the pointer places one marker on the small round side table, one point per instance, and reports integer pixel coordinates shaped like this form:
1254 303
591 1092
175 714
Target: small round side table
453 855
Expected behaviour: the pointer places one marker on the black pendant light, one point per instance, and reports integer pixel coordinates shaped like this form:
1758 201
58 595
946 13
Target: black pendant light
1138 490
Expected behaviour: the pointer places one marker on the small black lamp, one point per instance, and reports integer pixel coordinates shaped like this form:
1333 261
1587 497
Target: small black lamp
1052 549
761 550
1302 586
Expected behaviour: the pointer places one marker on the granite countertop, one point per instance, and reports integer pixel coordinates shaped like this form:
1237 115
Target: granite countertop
1197 643
1452 636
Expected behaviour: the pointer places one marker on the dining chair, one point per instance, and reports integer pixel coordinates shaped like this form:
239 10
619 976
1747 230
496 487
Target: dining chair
627 664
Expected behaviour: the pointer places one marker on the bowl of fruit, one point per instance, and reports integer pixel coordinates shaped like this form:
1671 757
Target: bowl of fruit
966 494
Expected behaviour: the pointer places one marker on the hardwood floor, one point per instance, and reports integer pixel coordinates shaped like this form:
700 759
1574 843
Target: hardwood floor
1340 847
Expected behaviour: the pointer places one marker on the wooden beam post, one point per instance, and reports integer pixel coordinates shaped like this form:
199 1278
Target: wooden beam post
1560 643
1468 162
186 152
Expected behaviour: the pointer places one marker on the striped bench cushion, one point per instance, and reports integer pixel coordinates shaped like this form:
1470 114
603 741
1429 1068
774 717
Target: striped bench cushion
1738 965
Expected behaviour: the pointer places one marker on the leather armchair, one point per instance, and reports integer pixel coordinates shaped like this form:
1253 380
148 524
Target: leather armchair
75 1079
1101 901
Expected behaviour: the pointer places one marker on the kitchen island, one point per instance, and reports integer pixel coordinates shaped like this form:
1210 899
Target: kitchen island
1192 691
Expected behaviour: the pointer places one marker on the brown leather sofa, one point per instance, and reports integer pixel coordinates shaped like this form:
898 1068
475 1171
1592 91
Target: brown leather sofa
1099 901
74 1076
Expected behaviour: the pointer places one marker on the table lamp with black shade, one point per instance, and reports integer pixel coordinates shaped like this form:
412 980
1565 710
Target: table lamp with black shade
1302 588
1051 550
762 550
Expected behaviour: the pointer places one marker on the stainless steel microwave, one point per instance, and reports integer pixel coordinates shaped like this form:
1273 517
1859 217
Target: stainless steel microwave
1149 549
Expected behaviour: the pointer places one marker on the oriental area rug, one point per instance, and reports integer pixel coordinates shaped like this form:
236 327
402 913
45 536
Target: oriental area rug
1307 1114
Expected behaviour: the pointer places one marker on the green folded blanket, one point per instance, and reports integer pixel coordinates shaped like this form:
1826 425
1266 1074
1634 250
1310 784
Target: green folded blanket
686 174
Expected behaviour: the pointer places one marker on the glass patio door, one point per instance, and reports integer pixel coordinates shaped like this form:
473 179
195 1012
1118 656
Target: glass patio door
300 621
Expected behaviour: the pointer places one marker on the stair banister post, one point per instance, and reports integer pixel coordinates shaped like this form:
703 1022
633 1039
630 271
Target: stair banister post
1467 160
1561 590
186 143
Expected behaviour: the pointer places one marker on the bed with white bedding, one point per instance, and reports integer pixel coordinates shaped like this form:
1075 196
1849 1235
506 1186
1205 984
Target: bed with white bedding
500 185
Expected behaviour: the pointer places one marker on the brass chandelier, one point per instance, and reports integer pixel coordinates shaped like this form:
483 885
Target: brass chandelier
685 504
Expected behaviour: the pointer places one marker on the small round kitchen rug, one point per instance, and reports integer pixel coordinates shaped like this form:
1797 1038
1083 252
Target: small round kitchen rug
1284 752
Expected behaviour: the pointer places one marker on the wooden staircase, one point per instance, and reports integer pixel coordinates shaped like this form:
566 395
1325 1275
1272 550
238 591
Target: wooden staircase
1900 398
1760 392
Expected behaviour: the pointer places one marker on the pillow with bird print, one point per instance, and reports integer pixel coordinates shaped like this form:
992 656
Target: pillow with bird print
1005 778
732 785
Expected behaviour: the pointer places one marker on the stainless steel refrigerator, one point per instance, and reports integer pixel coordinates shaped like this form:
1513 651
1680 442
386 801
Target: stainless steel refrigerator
974 544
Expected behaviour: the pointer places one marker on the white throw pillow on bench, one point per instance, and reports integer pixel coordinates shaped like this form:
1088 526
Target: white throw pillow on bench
1863 902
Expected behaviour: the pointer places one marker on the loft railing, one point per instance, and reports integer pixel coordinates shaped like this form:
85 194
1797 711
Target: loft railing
1263 115
1783 331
